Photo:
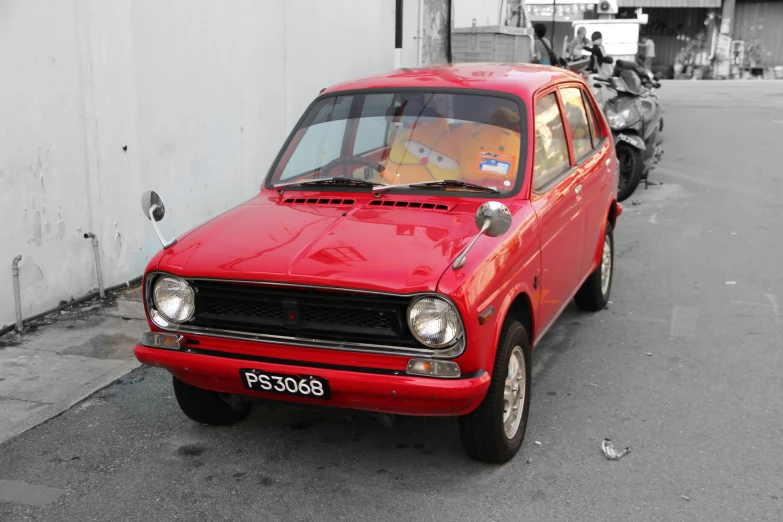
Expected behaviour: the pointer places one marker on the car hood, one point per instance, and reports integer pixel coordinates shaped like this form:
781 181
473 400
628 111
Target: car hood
363 245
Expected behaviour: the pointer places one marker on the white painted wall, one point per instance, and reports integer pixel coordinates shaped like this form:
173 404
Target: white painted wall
201 92
410 32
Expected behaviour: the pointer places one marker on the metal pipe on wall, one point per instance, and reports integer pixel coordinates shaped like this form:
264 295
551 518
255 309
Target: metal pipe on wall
98 269
17 294
127 284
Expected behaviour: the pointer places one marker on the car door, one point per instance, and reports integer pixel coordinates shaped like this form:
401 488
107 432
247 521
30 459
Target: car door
590 154
558 204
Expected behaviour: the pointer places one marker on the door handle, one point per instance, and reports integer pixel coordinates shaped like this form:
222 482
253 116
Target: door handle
578 190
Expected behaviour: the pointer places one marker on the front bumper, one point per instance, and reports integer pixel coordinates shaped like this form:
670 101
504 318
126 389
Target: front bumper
351 387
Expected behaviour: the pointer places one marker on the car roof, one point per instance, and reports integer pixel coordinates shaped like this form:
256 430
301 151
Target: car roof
520 79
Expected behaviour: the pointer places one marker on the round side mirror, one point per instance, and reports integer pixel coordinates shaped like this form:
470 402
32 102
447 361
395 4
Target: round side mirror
149 200
493 218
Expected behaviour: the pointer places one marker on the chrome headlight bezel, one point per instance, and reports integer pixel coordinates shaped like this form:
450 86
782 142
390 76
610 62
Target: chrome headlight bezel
452 316
182 291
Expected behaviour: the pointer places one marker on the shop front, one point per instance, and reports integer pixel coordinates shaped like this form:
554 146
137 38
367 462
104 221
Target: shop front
712 38
681 30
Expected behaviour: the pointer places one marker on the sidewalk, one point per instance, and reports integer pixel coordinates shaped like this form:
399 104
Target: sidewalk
66 357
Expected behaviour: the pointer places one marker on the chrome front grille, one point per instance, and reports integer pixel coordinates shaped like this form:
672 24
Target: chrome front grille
316 314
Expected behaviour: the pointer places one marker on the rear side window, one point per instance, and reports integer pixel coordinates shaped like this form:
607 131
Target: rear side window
595 130
551 154
581 138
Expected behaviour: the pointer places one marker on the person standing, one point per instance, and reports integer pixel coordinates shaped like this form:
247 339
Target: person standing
542 49
648 52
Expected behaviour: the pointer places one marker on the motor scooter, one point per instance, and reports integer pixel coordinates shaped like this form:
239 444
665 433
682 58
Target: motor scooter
635 117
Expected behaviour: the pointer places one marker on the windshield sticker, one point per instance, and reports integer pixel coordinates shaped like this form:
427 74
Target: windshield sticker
494 162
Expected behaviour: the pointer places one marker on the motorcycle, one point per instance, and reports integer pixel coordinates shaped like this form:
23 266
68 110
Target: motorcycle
635 117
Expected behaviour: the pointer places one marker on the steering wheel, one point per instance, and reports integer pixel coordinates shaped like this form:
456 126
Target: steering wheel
352 160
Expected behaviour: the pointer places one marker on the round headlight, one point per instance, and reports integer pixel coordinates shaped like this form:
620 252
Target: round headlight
434 321
174 299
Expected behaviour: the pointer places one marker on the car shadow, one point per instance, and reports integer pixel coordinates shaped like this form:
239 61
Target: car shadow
429 447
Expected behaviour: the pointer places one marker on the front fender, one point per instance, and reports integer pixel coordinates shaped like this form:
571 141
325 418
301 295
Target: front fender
631 139
496 271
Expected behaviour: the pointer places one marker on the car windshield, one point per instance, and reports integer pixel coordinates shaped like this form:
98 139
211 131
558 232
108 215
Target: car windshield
400 138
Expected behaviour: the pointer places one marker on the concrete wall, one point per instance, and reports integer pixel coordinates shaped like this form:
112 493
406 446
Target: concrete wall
192 98
435 32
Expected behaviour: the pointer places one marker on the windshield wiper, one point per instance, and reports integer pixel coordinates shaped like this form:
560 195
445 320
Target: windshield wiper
448 183
338 180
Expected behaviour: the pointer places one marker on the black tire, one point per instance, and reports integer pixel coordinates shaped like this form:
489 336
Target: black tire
483 434
631 164
209 407
592 297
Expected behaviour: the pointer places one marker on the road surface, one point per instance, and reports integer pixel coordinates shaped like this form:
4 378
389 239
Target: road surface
684 367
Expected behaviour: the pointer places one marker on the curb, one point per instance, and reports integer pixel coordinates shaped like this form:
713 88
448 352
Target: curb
70 400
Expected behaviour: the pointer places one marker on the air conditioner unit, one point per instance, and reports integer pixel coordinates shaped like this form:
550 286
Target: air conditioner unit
606 7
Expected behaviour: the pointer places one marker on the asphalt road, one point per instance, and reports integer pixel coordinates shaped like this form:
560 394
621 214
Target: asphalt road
684 367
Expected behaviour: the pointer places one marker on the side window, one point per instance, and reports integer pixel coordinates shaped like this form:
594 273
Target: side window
577 121
321 140
595 130
373 131
551 155
320 144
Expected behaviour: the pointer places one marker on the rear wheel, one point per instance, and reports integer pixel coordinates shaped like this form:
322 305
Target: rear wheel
631 164
495 430
210 407
595 291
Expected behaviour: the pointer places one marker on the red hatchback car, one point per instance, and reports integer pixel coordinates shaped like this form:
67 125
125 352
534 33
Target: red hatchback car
416 236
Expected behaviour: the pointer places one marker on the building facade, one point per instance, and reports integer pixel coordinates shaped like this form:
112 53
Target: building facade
673 24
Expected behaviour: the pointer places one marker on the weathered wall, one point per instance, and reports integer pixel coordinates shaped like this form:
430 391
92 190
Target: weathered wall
435 32
44 188
103 100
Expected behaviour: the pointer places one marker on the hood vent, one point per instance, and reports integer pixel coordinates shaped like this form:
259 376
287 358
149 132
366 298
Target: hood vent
319 201
408 204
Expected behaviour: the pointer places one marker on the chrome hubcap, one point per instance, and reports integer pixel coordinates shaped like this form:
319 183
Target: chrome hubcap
514 392
606 266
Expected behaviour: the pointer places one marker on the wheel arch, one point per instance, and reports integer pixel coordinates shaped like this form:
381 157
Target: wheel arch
611 219
521 309
611 216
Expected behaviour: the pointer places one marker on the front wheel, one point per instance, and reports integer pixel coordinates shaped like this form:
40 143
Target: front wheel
594 293
209 407
631 164
494 431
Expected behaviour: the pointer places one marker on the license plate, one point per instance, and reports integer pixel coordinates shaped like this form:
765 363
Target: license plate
300 385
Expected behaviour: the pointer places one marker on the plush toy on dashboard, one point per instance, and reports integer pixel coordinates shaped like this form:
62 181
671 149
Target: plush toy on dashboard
490 157
426 152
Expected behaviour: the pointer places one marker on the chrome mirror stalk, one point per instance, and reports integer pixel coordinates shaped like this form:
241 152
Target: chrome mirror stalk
493 219
460 261
164 242
154 209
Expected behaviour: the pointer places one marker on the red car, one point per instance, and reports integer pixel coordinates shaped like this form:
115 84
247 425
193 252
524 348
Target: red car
415 238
